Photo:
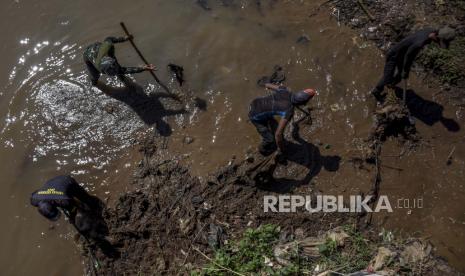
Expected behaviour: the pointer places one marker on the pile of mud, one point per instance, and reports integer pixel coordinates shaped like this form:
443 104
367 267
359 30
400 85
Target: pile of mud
169 212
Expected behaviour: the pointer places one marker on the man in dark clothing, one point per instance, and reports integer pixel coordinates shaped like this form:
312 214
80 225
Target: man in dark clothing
83 210
65 193
100 59
280 103
399 58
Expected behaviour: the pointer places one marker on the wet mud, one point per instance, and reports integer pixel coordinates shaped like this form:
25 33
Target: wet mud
169 216
169 212
53 121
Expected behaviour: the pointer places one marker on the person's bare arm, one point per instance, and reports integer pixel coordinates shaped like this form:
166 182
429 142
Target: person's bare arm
272 86
279 134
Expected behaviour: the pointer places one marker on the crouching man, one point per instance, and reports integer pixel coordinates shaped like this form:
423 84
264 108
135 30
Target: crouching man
65 194
280 103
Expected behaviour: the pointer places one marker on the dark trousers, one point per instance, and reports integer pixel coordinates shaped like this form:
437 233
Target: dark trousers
266 129
392 73
94 74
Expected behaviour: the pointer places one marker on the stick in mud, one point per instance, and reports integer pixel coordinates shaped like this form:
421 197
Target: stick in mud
449 157
377 181
143 58
218 265
365 9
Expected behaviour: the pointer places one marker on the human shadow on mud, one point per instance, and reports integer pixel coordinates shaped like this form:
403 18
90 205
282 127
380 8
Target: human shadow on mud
148 107
427 111
305 154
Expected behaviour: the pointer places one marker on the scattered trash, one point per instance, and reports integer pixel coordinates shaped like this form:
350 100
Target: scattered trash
416 252
277 77
215 236
382 259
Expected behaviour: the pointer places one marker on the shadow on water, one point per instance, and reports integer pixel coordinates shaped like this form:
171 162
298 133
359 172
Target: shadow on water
307 155
149 108
428 112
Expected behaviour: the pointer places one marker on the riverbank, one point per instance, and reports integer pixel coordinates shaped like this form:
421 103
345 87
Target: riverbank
175 223
54 123
172 223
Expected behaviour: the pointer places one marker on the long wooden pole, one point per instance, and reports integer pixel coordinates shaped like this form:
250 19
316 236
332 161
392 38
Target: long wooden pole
143 58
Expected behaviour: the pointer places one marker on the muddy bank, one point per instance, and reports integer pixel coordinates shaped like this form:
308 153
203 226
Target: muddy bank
387 22
169 216
156 226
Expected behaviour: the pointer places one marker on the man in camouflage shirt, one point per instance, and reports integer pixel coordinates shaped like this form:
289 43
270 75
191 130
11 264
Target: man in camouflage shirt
100 59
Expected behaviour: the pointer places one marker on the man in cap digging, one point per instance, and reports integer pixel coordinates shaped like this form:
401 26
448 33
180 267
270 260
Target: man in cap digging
100 59
65 194
280 103
400 57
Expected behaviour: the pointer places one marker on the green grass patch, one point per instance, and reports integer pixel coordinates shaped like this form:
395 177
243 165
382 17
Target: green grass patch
448 64
248 255
354 256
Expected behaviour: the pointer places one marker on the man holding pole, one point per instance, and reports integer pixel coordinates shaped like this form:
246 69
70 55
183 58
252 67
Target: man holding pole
100 59
399 58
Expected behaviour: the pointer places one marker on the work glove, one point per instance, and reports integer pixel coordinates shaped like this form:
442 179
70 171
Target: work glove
150 67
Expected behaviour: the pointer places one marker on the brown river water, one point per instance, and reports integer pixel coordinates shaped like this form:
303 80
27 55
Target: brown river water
52 122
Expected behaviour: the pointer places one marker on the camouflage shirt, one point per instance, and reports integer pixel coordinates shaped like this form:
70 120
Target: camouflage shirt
92 51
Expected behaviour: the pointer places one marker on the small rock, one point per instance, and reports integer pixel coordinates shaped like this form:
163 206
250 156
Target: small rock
249 158
188 140
303 39
160 264
197 200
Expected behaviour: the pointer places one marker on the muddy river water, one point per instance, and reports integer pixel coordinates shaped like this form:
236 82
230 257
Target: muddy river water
52 122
